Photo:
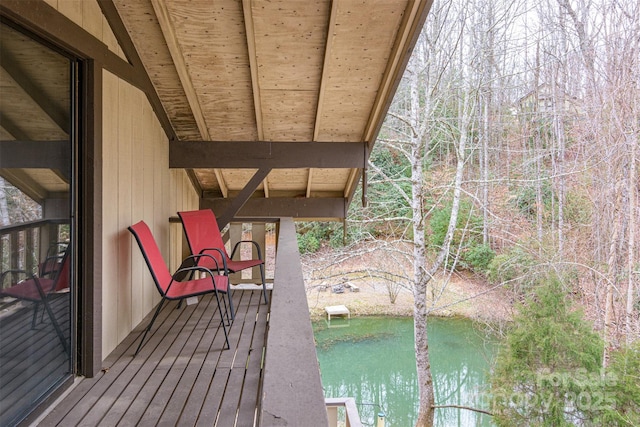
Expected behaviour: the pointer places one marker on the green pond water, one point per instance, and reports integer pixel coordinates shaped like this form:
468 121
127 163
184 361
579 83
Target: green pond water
372 359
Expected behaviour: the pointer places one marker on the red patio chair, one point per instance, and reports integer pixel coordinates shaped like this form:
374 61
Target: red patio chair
203 236
172 289
53 276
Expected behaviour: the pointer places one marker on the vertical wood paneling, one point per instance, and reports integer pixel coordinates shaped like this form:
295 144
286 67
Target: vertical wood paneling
161 193
92 18
72 9
110 207
138 184
150 139
125 183
137 207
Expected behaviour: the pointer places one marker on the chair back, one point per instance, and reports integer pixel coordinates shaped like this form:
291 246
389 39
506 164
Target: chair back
152 255
62 278
201 229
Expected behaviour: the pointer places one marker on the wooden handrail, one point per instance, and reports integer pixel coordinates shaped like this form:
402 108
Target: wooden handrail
6 229
292 389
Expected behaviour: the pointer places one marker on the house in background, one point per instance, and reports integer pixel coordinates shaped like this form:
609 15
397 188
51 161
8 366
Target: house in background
115 111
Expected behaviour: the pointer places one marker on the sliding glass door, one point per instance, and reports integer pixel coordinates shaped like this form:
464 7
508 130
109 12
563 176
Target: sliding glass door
37 132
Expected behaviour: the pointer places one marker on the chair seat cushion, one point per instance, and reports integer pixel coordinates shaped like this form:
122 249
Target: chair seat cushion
195 287
28 290
234 266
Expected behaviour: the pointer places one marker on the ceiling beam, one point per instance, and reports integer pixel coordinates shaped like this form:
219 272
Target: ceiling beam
325 67
275 155
12 129
25 183
53 111
163 15
253 64
142 81
47 22
296 207
36 155
410 28
309 180
28 95
221 182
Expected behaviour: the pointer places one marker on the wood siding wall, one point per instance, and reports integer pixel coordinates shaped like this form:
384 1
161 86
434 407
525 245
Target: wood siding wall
137 185
87 14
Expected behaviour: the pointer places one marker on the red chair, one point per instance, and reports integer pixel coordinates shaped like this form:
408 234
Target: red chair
53 276
203 236
172 289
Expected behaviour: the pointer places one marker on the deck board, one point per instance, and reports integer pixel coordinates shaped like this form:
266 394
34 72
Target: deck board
182 376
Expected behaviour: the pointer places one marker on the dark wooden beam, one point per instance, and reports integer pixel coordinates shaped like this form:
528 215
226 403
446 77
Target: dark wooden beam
36 155
49 24
256 154
301 207
239 201
57 114
144 82
13 129
25 183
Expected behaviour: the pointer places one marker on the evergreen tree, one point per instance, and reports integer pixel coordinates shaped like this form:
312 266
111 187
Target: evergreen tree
548 371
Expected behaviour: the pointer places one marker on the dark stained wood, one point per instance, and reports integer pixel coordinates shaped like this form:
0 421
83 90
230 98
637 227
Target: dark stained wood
89 289
291 344
36 155
301 207
239 201
142 78
258 154
48 23
182 376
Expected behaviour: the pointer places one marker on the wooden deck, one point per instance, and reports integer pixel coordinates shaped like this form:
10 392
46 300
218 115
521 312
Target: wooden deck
182 376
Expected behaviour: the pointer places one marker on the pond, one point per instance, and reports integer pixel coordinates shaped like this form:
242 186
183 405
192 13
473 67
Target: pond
372 359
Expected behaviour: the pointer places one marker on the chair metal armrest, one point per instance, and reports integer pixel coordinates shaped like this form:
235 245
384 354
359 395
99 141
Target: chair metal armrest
222 256
253 242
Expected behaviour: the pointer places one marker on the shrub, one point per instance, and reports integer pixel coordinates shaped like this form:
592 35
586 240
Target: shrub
479 257
308 243
515 268
526 199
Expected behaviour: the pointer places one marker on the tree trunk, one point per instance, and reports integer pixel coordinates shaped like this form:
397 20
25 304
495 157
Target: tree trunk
420 278
4 210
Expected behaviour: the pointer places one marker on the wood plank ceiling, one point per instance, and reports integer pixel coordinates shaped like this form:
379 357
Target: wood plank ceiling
259 72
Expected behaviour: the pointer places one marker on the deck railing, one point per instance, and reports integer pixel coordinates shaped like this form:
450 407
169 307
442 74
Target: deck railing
23 245
352 416
291 391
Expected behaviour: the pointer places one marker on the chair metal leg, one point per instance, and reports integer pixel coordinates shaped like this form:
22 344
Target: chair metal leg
264 285
56 326
150 324
224 328
233 313
34 321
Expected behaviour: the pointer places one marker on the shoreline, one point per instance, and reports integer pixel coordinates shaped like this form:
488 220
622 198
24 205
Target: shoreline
460 298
